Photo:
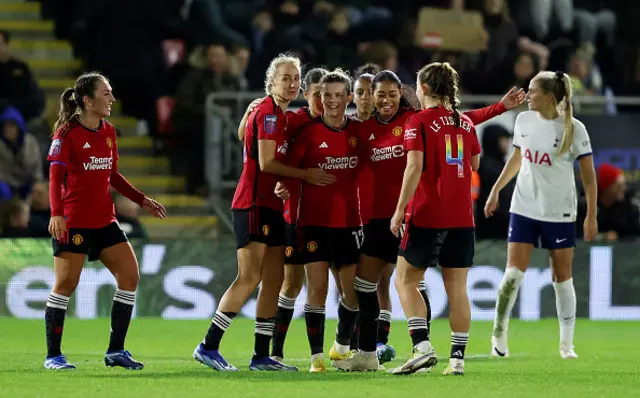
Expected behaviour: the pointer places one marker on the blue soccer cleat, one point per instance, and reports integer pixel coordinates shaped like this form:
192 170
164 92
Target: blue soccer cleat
270 364
122 359
386 352
212 359
59 362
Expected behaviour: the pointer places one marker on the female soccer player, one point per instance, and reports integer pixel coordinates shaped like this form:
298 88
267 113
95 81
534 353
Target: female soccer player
543 208
259 225
382 153
442 151
84 158
329 216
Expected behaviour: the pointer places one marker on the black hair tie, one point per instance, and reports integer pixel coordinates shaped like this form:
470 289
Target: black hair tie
559 75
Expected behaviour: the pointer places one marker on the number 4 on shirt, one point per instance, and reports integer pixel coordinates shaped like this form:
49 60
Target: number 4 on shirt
457 161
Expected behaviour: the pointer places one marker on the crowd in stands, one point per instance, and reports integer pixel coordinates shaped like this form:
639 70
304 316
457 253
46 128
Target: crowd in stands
164 57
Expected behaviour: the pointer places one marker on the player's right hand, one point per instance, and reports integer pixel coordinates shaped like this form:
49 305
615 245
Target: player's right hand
58 229
281 191
319 177
492 204
254 104
396 223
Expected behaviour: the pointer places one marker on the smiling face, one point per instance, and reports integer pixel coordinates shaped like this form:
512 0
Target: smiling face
100 104
363 96
387 96
335 99
286 81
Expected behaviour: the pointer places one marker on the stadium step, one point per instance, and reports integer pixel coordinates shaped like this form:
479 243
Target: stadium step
55 85
19 11
53 68
148 165
151 184
44 50
183 226
26 29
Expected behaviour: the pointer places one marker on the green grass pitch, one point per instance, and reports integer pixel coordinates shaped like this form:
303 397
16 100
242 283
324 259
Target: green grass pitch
609 364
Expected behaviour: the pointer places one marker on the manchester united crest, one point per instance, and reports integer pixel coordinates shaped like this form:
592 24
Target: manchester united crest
312 246
109 142
397 131
288 251
77 239
353 141
265 230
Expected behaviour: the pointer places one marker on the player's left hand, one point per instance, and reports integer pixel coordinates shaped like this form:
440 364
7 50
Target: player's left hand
396 223
513 98
281 191
154 208
590 228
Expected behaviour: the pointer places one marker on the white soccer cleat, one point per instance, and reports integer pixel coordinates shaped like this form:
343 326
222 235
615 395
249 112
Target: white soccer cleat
418 360
455 368
499 347
567 351
358 362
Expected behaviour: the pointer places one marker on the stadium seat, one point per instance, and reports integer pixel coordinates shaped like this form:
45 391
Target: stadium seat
164 109
174 51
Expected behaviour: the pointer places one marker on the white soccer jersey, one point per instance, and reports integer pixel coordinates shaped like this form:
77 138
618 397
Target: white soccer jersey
545 187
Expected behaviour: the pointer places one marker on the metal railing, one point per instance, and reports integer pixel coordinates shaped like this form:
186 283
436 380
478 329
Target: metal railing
224 110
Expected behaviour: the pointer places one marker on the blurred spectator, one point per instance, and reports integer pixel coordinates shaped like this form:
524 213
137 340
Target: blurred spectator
188 115
238 64
547 16
585 78
40 210
618 207
14 219
17 84
594 17
341 48
496 141
127 215
207 21
20 156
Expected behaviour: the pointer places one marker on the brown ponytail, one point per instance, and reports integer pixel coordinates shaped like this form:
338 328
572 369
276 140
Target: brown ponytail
68 108
443 81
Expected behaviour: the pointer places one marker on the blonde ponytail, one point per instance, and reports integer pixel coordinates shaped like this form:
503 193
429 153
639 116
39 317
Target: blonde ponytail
567 135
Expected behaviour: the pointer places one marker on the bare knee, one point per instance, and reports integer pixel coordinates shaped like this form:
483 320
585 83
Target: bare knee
290 290
66 286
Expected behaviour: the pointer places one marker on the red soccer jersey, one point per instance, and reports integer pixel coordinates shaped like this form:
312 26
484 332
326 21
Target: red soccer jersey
383 154
255 187
89 156
336 151
295 120
443 196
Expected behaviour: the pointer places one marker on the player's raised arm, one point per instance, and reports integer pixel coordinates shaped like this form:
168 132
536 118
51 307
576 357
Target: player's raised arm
511 99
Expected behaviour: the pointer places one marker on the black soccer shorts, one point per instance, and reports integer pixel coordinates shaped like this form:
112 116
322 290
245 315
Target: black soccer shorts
258 224
428 247
294 253
379 242
90 241
337 246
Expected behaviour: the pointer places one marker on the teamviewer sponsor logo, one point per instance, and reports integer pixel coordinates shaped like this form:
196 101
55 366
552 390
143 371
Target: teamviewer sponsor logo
98 164
343 163
282 149
386 153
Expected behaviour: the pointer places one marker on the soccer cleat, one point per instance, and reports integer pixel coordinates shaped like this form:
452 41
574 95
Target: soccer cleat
279 359
499 347
358 362
418 360
270 364
334 355
122 359
318 365
386 352
567 351
59 362
455 368
212 359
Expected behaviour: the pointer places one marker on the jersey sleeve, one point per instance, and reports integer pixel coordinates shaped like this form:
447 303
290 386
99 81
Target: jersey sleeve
270 126
60 150
481 115
413 137
581 143
517 131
